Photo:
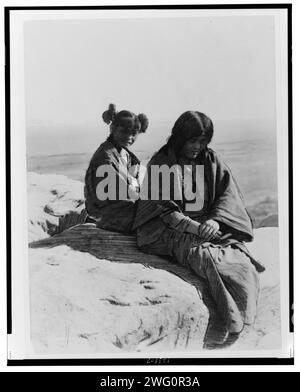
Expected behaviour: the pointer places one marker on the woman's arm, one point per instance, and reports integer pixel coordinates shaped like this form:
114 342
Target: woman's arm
209 230
227 208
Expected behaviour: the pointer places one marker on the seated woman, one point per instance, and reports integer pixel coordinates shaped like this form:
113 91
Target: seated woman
209 240
115 213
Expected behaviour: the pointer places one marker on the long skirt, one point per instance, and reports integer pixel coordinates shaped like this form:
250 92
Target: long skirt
233 280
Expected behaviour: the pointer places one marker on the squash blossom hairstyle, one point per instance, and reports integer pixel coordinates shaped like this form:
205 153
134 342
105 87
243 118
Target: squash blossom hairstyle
125 119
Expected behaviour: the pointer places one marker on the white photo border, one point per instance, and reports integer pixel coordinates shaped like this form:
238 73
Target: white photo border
17 269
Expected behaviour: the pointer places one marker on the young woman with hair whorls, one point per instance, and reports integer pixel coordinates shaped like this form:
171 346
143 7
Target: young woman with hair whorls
118 214
210 241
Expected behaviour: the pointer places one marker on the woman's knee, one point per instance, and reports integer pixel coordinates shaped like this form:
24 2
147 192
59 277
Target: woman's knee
199 260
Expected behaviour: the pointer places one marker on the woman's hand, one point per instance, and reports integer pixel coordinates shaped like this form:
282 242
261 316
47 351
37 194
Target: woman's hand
208 229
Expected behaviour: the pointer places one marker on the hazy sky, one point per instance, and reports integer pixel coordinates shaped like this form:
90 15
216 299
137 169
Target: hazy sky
222 66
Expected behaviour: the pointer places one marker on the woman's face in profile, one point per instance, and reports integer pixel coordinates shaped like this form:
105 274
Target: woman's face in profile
125 137
193 147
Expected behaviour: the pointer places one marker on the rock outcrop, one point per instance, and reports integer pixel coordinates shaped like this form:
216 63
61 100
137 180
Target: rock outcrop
49 198
93 291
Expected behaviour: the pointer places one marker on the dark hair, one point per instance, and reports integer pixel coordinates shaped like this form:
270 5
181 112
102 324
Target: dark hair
190 124
125 119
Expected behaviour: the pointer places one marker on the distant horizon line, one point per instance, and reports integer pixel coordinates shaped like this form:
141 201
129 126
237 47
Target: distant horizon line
93 126
149 151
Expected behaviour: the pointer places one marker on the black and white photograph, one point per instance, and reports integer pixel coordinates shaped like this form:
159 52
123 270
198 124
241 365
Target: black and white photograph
150 176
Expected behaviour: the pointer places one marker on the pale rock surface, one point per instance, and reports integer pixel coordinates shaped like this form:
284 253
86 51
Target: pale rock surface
49 197
82 304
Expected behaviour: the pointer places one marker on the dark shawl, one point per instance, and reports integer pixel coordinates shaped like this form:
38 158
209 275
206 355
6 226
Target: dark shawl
115 215
225 201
